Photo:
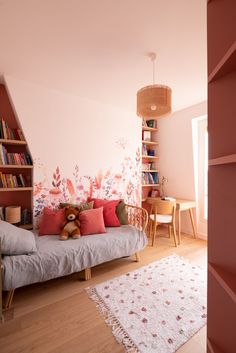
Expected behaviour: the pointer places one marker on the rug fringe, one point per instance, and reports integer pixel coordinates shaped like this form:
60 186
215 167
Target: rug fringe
118 331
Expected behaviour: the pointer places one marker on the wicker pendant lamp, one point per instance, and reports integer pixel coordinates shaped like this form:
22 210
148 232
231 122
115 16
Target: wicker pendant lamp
154 100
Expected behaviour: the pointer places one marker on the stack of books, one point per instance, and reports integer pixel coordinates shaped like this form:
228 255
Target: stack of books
149 178
8 133
13 158
12 181
26 216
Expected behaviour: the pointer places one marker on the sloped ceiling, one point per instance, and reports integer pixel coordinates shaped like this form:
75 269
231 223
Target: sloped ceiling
97 48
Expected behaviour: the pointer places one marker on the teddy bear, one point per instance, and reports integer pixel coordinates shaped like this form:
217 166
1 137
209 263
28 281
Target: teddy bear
71 224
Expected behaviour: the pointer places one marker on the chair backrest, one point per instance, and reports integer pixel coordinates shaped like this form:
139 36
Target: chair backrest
163 207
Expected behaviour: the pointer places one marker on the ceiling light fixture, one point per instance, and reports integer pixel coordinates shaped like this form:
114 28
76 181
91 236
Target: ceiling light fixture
154 100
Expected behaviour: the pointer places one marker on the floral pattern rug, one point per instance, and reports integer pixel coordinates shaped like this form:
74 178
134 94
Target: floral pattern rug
156 308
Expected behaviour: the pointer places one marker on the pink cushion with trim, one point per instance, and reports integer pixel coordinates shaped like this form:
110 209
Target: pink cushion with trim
92 222
109 211
51 221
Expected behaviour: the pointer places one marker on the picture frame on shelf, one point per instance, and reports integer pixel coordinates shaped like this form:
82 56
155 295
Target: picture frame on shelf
146 135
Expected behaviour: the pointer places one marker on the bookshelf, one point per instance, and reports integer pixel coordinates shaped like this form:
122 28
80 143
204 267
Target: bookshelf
16 167
150 171
221 29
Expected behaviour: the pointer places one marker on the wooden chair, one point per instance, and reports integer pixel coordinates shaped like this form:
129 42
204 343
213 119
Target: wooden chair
162 212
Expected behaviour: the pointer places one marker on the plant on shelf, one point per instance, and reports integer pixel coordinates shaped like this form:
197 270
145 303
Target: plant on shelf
163 182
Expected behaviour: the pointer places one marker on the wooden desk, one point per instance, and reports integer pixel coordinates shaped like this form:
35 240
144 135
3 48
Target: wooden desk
183 205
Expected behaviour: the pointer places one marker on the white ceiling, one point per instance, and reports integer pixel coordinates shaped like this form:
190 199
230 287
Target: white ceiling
97 48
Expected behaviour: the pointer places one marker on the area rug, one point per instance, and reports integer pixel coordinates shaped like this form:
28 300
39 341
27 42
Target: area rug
156 308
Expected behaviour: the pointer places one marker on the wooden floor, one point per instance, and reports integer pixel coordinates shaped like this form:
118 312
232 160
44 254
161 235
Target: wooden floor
58 317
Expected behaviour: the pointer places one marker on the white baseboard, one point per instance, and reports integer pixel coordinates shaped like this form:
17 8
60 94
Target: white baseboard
190 232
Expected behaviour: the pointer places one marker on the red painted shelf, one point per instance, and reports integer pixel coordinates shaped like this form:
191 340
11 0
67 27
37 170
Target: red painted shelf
226 279
226 65
231 158
212 347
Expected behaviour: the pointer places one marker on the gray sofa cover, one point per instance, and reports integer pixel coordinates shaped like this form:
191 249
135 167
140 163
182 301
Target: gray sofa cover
55 258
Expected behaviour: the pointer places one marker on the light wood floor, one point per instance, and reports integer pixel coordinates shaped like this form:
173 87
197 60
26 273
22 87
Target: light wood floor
58 317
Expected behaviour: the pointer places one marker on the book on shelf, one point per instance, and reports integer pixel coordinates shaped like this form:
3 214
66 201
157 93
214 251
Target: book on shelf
13 158
8 133
149 178
26 216
12 181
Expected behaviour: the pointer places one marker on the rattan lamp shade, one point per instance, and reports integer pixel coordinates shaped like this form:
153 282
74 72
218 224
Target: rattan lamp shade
153 101
13 214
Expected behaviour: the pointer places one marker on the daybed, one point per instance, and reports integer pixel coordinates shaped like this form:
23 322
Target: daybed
55 258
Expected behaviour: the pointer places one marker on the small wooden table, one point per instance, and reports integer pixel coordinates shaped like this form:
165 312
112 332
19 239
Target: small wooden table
184 205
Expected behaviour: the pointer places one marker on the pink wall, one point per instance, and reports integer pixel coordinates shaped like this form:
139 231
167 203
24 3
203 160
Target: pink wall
176 154
79 146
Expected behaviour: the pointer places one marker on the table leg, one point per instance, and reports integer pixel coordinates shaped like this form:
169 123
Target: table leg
179 226
192 221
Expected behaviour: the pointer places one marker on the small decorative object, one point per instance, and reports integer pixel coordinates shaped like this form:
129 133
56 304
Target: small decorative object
147 135
151 152
154 100
71 226
163 182
155 193
151 123
13 214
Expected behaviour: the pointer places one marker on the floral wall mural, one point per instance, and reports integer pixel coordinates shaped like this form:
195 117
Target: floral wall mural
80 147
56 188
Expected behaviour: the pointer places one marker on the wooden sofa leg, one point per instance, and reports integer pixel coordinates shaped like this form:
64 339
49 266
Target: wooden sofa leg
137 256
9 299
87 274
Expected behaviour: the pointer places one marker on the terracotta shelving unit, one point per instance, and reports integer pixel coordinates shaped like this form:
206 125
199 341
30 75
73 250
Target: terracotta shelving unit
149 160
20 196
222 176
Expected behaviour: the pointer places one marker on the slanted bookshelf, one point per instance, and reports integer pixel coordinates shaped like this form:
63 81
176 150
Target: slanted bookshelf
16 166
221 35
150 171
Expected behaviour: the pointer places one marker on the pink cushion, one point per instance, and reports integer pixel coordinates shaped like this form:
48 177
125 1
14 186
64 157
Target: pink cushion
109 211
51 221
92 222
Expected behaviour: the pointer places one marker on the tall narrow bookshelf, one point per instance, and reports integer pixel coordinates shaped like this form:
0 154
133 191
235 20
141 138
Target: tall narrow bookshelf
16 171
221 33
150 171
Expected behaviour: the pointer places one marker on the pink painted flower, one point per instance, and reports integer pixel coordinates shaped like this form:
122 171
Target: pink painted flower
55 191
167 302
163 322
70 187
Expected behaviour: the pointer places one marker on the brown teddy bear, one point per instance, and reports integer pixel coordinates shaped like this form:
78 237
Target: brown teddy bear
71 224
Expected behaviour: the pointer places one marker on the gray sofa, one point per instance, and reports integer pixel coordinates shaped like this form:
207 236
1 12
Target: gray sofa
55 258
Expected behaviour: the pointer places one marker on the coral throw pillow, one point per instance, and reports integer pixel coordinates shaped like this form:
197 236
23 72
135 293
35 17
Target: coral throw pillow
92 222
51 221
109 211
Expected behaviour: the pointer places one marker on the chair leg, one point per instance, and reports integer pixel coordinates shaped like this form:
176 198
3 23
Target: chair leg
154 232
169 229
174 232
